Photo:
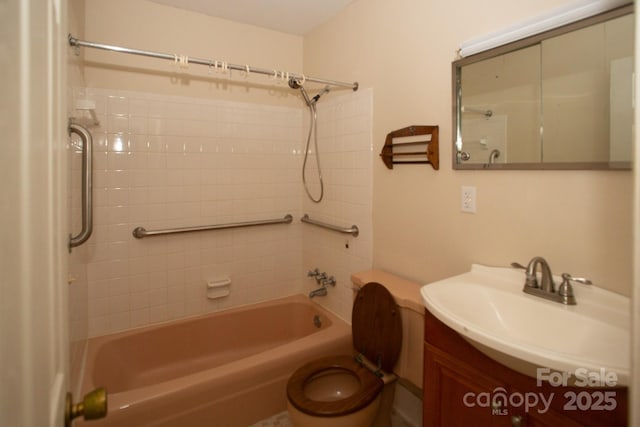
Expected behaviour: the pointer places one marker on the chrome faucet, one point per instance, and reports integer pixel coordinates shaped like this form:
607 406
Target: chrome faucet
546 279
546 288
320 292
321 279
495 153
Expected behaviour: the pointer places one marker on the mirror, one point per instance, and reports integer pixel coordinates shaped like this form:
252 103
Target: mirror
558 100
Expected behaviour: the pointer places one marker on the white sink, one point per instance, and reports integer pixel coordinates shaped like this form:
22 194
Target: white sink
488 308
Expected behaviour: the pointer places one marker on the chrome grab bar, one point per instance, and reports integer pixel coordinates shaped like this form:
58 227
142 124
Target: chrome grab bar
353 230
141 232
87 186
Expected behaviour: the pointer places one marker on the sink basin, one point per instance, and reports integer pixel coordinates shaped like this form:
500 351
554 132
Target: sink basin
487 307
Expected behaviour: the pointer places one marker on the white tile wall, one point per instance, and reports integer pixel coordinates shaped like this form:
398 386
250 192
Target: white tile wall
162 161
346 152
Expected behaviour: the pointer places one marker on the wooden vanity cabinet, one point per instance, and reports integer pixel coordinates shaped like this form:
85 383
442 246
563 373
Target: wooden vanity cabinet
463 387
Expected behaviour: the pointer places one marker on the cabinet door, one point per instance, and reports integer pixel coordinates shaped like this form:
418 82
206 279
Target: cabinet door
548 419
459 395
459 381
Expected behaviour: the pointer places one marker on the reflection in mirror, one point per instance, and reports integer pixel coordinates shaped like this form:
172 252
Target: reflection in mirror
508 86
559 100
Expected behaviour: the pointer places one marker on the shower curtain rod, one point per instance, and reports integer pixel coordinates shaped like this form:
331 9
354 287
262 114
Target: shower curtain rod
184 61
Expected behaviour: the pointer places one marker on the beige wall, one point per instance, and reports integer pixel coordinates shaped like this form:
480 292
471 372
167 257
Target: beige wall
149 26
75 23
580 221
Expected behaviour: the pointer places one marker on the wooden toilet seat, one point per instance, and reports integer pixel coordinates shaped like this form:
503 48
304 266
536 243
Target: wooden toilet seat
376 326
370 387
377 335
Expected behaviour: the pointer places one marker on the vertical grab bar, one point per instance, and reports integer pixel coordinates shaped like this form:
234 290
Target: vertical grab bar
87 186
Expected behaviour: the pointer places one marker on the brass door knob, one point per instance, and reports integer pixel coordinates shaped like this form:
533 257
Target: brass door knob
92 407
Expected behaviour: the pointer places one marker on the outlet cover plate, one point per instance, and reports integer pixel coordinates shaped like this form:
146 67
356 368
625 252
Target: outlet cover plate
468 199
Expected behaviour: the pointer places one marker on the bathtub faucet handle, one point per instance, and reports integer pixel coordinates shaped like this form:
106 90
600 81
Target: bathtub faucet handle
320 278
313 273
329 281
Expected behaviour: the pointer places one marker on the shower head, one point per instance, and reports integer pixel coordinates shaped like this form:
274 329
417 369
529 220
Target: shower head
319 94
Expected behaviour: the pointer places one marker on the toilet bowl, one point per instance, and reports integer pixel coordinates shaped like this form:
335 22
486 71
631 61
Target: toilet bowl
335 387
352 390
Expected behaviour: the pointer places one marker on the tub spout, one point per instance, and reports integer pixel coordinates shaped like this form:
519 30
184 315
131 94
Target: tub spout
320 292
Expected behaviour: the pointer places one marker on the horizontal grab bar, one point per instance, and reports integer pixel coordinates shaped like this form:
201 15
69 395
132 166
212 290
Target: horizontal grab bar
353 230
140 232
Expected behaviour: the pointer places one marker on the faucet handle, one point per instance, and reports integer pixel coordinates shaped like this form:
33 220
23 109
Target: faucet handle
329 281
321 277
565 290
313 273
518 265
567 277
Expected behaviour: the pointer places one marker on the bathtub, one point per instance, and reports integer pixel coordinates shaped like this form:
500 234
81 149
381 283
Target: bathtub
226 369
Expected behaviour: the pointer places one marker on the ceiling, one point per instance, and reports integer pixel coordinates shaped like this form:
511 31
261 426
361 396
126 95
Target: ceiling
288 16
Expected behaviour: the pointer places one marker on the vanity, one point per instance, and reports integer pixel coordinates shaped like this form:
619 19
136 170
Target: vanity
507 347
497 356
461 376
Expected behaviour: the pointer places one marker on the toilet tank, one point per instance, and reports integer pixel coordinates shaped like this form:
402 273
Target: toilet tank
407 295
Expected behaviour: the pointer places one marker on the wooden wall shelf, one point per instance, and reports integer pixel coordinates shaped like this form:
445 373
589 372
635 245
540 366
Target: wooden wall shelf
411 145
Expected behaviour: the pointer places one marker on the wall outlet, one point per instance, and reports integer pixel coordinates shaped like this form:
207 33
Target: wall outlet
468 199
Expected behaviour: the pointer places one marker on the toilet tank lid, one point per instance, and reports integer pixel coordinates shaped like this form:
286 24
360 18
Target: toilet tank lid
405 292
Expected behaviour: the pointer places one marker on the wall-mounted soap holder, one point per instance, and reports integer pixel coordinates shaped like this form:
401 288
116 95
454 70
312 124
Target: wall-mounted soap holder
411 145
219 287
86 113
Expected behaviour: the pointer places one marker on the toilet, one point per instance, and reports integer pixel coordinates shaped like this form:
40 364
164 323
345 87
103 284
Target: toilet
357 390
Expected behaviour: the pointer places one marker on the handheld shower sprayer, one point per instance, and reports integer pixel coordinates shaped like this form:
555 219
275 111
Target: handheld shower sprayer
313 130
319 94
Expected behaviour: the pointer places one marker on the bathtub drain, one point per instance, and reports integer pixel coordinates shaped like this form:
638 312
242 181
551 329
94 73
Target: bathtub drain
317 321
